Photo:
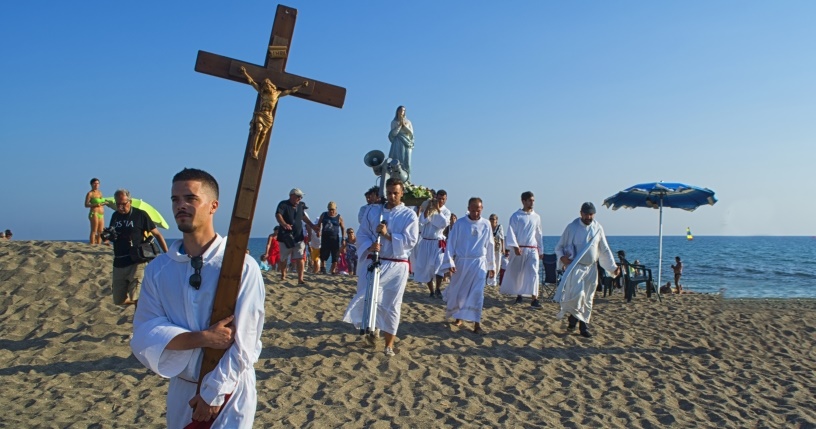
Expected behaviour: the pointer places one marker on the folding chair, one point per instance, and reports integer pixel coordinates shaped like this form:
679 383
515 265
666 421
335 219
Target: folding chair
549 275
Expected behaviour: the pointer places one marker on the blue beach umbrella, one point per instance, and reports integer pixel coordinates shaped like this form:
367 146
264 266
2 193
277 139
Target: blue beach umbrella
657 195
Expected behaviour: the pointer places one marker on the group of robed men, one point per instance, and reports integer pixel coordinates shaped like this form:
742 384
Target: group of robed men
172 322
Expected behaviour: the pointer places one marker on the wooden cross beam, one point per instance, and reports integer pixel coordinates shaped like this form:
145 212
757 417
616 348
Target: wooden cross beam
229 281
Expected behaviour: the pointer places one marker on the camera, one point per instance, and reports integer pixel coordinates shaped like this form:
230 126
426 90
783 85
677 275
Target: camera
109 234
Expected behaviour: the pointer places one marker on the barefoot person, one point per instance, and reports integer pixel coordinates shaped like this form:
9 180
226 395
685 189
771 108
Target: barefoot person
399 233
523 240
172 323
678 271
582 245
469 258
95 202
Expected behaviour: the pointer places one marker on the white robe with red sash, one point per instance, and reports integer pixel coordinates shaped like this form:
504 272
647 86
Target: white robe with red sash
169 306
470 251
521 275
403 227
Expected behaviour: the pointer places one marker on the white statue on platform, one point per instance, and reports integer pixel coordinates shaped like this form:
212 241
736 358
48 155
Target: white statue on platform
402 140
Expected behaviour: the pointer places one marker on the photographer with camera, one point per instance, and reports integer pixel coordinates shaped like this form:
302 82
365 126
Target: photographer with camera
290 215
129 228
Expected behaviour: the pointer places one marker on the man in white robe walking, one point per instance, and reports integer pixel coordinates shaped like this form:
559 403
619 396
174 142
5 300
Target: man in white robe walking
524 242
398 229
582 245
469 258
172 323
428 254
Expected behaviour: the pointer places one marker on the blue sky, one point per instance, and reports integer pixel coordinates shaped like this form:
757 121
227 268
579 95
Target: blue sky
572 100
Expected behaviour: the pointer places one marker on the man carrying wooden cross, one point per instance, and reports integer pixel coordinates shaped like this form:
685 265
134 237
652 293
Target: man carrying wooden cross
172 323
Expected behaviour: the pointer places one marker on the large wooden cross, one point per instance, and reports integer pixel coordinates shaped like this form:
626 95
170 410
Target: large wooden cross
229 281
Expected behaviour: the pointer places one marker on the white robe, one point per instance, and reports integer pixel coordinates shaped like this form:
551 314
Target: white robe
169 306
470 251
428 253
521 275
577 289
404 229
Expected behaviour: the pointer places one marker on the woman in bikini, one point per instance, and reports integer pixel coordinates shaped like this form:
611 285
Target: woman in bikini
94 201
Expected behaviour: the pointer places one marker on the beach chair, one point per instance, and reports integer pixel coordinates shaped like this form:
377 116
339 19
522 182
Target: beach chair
632 275
607 282
549 275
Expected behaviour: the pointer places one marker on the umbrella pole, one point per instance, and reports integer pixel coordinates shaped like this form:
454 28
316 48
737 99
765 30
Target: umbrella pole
660 253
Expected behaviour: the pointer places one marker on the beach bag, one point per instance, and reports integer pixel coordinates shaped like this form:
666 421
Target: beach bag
145 252
287 238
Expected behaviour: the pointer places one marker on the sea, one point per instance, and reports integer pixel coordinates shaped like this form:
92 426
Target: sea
739 267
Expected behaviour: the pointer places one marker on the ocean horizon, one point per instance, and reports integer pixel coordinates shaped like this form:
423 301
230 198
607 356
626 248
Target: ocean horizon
745 266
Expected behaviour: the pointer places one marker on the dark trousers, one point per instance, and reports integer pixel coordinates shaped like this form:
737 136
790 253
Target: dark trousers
573 321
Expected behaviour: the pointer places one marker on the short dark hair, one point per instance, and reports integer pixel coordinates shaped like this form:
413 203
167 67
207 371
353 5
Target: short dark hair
474 200
197 175
526 195
94 180
394 182
441 192
372 190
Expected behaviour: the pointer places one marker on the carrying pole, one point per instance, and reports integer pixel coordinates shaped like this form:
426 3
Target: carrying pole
369 322
659 254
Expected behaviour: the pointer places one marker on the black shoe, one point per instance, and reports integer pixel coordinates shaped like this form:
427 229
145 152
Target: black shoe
572 322
586 334
535 304
438 293
518 300
432 295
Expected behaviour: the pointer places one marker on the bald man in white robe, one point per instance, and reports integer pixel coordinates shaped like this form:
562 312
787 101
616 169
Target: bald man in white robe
469 258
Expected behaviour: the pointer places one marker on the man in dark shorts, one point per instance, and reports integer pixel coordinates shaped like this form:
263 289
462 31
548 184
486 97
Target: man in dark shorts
290 216
331 235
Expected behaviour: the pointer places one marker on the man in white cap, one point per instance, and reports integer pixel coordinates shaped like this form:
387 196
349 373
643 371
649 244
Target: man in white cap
290 234
582 245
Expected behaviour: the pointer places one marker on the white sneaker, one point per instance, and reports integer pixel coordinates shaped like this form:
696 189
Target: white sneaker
389 351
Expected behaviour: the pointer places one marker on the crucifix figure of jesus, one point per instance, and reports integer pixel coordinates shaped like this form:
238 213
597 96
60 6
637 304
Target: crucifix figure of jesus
262 120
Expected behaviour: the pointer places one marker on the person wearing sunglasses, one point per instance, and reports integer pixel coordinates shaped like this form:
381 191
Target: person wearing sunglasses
172 323
131 228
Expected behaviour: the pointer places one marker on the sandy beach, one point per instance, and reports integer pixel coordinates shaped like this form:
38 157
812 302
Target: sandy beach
691 361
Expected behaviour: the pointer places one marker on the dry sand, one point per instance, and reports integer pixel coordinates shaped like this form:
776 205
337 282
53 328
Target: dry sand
691 361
